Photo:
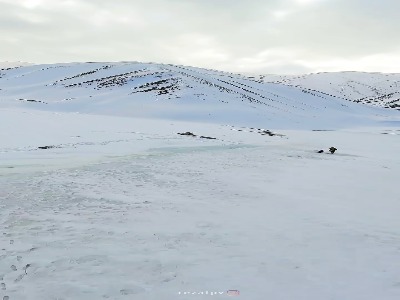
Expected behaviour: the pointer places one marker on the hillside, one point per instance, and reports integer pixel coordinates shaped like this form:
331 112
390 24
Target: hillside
177 92
374 89
13 64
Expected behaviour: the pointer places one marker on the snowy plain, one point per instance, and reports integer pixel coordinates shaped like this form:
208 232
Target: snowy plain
122 207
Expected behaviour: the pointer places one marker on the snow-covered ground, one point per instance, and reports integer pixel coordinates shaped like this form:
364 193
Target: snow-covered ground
122 207
374 89
179 93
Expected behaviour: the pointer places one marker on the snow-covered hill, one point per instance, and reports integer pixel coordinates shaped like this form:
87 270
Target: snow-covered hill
13 64
176 92
375 89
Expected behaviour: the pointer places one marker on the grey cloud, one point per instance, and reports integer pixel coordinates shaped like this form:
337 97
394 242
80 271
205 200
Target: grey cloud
345 28
209 33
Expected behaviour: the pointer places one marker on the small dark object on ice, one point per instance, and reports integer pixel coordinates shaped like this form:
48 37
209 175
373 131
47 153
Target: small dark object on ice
332 150
269 132
187 133
320 151
208 138
26 268
46 147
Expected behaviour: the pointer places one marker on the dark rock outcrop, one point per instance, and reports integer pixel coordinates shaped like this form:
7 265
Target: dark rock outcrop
332 150
187 133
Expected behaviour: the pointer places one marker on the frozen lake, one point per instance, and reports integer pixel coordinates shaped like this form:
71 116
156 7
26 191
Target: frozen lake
267 216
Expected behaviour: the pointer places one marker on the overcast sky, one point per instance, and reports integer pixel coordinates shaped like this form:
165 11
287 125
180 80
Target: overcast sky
260 36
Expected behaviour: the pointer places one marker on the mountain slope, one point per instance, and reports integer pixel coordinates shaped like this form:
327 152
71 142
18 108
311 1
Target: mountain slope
175 92
13 64
374 89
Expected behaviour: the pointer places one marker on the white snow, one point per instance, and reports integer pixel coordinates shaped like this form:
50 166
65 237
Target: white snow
122 207
374 89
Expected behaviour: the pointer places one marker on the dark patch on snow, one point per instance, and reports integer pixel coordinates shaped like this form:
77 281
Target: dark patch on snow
32 100
187 133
